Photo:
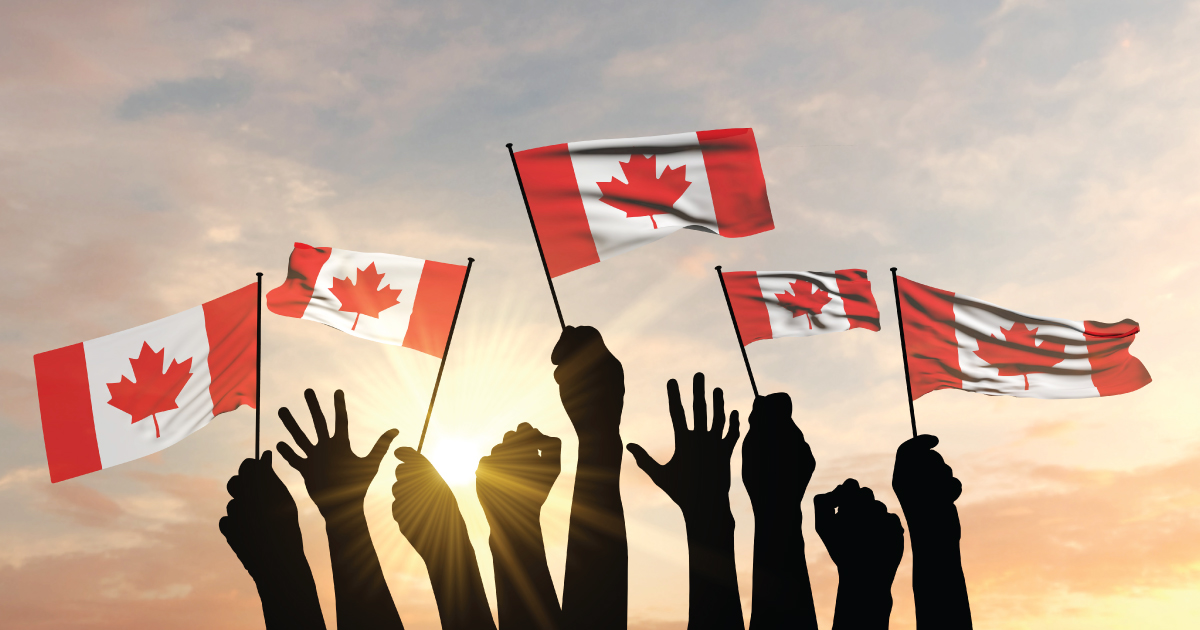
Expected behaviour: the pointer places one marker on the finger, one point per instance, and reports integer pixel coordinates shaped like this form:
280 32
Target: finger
235 486
381 447
298 435
249 467
675 405
922 442
265 460
341 420
955 490
551 448
567 343
525 426
699 404
318 417
226 526
409 455
718 423
824 507
735 430
290 456
645 462
894 524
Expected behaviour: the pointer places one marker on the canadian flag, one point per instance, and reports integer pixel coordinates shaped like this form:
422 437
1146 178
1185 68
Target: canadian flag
959 342
593 200
117 398
382 297
773 304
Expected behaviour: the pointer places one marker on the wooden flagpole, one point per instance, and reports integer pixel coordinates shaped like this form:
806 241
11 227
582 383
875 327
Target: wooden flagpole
537 239
912 412
437 383
258 370
738 331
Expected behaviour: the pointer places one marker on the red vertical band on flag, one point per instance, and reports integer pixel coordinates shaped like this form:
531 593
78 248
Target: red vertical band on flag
291 298
855 291
929 335
230 322
1115 371
749 307
735 178
557 208
65 398
433 308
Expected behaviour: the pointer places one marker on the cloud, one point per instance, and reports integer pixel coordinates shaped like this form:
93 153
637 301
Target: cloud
195 95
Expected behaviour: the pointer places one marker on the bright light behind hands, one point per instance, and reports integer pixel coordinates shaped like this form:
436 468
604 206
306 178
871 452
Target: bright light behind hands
456 460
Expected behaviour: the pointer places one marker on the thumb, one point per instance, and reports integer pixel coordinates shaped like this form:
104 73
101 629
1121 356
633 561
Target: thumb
645 462
266 459
381 446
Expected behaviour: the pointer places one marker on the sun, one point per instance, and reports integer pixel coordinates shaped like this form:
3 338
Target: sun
456 460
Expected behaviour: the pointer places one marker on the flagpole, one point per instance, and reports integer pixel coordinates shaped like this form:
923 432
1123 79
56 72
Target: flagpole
445 352
738 331
258 370
912 412
537 239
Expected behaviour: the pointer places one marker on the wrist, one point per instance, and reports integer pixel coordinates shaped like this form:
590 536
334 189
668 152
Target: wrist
344 516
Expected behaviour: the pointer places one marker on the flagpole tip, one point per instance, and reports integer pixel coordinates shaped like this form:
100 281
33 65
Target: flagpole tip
893 269
509 145
469 259
718 267
259 274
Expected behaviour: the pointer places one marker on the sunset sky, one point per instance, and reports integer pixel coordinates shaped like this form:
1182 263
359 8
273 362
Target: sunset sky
1036 154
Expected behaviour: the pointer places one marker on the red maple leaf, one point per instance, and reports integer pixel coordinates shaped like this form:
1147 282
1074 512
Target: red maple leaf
645 195
154 390
363 296
806 301
1019 354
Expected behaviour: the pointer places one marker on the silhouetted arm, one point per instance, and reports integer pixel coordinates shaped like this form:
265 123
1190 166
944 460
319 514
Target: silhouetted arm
428 516
592 388
927 489
262 527
513 483
777 465
337 481
866 542
697 480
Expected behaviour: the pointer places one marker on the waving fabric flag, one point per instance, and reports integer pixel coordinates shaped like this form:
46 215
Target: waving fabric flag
382 297
593 200
117 398
958 342
773 304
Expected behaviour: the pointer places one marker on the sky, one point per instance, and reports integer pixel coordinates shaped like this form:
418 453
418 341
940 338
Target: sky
1039 155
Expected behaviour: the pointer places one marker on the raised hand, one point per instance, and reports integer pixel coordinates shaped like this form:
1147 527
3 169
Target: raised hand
927 489
697 480
591 384
866 543
513 483
428 516
777 465
335 477
697 475
262 527
337 482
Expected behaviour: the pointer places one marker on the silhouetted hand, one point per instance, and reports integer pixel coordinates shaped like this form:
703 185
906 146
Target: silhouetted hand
262 527
866 543
697 479
777 465
337 482
923 481
513 483
697 475
927 490
424 506
591 382
335 477
428 516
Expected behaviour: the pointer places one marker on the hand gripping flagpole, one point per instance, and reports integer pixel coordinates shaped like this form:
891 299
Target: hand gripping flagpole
738 331
258 369
437 383
537 239
912 412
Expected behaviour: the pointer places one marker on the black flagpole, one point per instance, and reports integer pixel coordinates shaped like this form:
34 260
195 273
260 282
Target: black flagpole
258 369
741 346
445 352
537 239
912 412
